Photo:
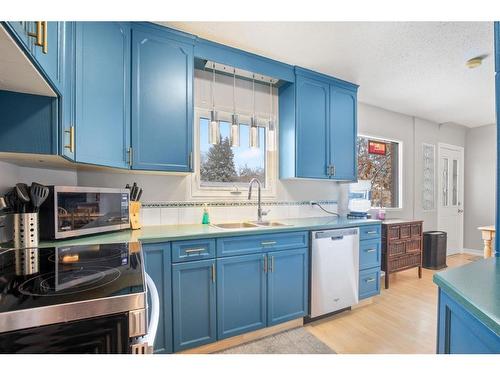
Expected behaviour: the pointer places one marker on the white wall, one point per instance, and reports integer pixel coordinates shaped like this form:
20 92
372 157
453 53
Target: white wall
480 169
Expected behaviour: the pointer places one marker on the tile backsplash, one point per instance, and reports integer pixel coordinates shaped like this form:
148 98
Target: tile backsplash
186 212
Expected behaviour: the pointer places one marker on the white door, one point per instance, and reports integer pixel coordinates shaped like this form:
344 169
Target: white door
450 195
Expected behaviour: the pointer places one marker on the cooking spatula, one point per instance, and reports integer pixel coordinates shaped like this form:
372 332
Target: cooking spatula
39 194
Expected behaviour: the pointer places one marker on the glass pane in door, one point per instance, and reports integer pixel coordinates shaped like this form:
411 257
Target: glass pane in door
444 169
454 183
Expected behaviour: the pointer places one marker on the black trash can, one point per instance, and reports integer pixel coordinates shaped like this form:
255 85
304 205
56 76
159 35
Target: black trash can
434 257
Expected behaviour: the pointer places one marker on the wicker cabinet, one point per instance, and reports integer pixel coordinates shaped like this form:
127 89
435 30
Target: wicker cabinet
402 243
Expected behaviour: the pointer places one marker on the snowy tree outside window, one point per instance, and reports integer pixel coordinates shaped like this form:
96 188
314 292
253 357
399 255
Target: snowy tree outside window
381 170
223 165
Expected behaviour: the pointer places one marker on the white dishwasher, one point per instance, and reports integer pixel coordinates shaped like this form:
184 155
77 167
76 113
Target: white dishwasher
334 270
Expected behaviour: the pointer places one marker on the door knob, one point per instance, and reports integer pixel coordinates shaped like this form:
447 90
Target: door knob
460 211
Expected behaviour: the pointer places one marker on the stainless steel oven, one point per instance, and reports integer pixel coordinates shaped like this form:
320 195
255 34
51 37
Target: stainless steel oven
72 211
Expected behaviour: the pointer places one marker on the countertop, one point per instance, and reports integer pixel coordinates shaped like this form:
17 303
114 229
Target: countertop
162 233
475 286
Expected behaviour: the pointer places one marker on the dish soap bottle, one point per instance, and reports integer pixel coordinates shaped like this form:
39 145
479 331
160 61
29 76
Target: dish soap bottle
206 217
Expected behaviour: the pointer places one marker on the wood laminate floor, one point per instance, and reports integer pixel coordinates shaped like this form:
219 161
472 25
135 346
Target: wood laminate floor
402 319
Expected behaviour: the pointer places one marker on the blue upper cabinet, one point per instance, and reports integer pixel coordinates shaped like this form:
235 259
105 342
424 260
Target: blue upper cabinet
318 127
25 32
67 100
162 100
103 93
343 133
194 309
312 111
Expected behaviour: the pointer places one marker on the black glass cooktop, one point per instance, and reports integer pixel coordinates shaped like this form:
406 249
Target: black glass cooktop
49 276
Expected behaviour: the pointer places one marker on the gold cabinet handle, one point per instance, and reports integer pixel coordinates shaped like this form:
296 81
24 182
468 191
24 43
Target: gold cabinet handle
71 133
198 250
265 263
38 35
268 243
45 44
213 273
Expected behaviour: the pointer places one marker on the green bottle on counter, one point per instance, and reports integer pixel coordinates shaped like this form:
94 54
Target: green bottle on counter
206 217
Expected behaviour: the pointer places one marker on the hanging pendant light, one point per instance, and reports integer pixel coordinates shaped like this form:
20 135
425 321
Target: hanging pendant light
254 130
235 125
271 126
213 127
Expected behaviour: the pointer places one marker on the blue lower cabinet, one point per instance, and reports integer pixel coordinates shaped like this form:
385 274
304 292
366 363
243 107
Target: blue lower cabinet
241 294
157 264
287 287
370 254
460 332
369 282
194 309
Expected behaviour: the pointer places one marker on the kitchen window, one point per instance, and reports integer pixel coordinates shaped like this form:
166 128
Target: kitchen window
379 161
223 168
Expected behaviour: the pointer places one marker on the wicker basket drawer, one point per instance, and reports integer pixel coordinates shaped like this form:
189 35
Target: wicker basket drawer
393 232
404 262
405 231
396 248
416 230
413 246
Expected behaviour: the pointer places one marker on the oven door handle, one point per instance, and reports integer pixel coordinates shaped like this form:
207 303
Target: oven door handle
155 311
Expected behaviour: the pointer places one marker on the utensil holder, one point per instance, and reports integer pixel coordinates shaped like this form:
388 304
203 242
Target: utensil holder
24 230
134 211
26 261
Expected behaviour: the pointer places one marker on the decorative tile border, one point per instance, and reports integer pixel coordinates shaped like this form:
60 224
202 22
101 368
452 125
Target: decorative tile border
186 204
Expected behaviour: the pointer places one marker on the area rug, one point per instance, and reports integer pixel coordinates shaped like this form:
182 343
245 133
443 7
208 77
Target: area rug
293 341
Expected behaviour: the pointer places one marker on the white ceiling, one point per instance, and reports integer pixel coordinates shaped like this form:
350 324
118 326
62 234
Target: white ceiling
416 68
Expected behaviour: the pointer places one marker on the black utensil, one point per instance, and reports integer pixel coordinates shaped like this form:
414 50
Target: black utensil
12 201
38 194
133 192
23 194
139 195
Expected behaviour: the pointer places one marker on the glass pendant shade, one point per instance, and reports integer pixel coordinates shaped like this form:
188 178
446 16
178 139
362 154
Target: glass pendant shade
213 129
254 134
271 136
235 131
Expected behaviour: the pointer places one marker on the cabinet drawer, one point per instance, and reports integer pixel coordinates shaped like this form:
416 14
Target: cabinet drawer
369 254
396 248
405 232
261 243
416 230
413 246
369 282
369 232
183 251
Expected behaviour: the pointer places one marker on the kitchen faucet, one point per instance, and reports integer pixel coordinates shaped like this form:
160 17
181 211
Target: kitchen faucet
260 212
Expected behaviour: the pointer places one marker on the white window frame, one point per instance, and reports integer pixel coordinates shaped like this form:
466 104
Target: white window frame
400 206
236 193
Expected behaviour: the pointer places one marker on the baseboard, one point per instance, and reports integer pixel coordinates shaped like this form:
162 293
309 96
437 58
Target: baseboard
244 338
472 251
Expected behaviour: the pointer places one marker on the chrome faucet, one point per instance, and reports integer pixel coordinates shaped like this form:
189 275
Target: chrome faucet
260 211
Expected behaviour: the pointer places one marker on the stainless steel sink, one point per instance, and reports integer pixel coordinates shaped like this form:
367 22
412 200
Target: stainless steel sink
270 224
234 225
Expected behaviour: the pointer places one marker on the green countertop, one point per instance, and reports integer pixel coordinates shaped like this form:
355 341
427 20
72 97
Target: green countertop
161 233
475 286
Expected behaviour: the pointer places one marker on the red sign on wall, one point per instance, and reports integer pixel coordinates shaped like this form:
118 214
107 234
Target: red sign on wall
377 148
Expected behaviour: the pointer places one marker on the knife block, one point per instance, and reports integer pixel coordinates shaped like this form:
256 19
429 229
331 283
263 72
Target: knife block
134 211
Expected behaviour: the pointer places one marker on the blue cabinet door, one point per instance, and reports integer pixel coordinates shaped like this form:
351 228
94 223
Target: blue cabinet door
157 265
343 133
51 59
193 285
312 120
287 287
459 332
241 294
162 101
103 93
